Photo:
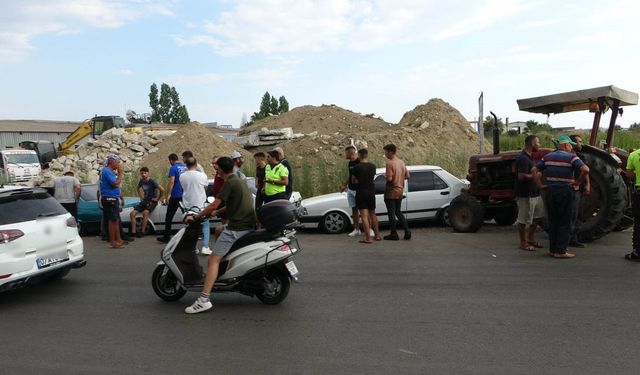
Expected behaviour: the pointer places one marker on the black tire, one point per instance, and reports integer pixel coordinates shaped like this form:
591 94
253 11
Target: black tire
82 231
443 217
334 222
466 214
276 285
165 284
148 230
506 215
603 209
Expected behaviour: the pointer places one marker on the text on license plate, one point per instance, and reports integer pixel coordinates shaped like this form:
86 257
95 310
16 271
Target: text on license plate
291 267
46 262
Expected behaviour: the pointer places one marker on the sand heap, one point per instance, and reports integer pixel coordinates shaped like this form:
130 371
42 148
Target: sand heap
196 138
432 133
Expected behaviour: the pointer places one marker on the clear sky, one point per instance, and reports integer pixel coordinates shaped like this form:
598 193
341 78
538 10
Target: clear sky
71 59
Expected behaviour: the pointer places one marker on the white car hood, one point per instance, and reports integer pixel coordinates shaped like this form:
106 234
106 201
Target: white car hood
323 199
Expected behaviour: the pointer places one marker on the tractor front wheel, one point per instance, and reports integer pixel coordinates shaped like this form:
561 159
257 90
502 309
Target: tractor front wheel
466 214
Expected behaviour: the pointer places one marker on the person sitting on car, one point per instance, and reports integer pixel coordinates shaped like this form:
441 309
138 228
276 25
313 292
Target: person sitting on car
150 193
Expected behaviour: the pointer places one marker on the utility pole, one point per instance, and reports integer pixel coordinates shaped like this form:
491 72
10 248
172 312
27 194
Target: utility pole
480 121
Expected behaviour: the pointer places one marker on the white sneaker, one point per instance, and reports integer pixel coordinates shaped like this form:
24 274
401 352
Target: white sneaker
356 232
198 306
205 250
371 232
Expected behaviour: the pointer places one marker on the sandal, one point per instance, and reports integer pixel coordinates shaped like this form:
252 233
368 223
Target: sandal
535 244
378 238
527 248
117 247
365 241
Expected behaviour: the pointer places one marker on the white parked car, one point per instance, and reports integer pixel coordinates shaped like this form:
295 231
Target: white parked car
428 193
156 218
38 238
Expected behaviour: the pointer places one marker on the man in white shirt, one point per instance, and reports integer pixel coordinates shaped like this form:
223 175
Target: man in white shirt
194 195
67 191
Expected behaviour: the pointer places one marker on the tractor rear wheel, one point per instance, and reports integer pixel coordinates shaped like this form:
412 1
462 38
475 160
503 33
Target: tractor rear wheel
601 210
466 214
506 215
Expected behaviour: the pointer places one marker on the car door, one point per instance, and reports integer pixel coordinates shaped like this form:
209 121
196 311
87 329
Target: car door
427 192
381 209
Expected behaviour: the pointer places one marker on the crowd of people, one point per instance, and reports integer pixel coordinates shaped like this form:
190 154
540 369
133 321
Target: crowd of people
562 174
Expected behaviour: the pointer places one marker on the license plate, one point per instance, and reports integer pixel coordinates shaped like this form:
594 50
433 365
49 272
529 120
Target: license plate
46 262
291 267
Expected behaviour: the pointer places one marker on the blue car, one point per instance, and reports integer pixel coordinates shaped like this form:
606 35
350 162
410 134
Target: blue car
89 212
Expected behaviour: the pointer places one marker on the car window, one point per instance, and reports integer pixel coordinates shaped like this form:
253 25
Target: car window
380 183
427 180
89 192
28 206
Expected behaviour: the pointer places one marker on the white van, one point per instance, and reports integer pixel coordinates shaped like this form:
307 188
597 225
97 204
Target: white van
18 165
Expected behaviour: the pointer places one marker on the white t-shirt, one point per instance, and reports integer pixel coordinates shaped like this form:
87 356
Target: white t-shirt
193 187
64 189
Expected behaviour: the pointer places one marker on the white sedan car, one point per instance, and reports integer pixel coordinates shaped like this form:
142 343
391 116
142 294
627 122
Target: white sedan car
428 193
38 238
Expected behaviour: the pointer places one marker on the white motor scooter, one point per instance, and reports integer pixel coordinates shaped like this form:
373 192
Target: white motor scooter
259 263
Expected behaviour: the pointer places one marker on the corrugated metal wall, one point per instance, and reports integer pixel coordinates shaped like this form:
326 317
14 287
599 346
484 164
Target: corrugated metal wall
13 138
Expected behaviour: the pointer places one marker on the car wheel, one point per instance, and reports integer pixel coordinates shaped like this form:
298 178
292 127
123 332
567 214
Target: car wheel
443 217
334 222
148 229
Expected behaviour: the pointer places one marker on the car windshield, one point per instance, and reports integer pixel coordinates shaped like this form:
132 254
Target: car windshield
27 206
89 192
22 158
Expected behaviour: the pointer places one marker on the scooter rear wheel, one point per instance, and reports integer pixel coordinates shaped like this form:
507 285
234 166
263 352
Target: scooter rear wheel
166 285
275 285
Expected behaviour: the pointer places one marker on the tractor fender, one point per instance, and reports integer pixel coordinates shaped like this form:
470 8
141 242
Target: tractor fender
610 159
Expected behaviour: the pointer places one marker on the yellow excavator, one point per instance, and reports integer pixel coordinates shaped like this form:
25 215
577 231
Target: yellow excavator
93 127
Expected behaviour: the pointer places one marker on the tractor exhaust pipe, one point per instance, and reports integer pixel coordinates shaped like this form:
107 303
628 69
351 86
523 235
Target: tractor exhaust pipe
496 134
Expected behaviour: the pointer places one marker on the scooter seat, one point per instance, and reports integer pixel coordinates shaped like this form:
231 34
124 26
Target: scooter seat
250 238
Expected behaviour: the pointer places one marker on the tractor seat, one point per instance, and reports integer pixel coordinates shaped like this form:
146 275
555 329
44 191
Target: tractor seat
253 237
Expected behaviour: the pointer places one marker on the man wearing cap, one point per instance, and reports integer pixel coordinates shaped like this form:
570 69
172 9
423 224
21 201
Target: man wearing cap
238 160
174 190
578 191
559 168
283 160
633 167
110 179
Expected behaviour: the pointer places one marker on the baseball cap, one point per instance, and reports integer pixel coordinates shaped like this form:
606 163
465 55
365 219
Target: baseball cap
111 159
565 139
235 155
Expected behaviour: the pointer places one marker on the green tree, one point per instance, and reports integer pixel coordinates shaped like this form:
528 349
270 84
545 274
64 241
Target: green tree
153 103
489 125
634 126
270 106
273 107
283 105
167 108
534 127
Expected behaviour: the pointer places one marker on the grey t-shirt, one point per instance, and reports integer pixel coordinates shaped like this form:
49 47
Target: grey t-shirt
64 191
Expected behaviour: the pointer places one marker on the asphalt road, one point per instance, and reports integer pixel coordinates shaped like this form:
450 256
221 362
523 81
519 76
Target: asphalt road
441 303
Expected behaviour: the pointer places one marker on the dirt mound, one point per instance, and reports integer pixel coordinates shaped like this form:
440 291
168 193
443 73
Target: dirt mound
196 138
432 133
325 119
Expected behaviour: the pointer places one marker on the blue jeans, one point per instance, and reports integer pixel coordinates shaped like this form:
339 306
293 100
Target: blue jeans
206 232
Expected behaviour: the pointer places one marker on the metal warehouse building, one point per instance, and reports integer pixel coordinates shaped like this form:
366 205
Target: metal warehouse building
13 132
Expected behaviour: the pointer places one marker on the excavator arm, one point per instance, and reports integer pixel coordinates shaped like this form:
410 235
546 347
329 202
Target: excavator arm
85 129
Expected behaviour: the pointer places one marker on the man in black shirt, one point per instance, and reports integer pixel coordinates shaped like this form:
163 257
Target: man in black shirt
363 175
530 204
350 188
261 163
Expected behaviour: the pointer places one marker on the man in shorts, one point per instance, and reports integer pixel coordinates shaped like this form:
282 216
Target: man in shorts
351 155
238 204
110 179
363 175
530 204
150 193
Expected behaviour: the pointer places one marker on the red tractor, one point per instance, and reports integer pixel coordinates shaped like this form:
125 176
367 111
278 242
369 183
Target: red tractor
490 195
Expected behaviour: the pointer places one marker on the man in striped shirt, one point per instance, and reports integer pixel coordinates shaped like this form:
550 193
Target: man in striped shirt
559 168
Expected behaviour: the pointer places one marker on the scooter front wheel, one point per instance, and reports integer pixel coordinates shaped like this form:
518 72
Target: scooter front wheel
275 284
166 285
